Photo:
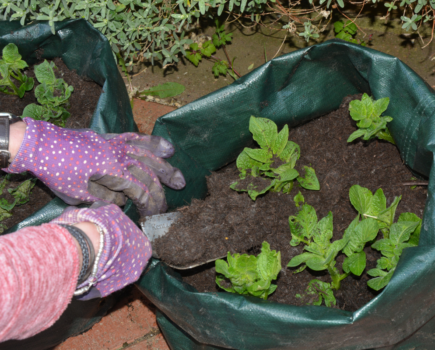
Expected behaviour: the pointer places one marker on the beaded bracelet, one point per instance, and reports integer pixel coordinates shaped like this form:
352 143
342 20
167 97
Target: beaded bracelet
87 248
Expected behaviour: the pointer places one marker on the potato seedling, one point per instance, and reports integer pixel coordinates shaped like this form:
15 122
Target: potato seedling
274 162
403 234
11 66
248 274
21 195
367 113
53 95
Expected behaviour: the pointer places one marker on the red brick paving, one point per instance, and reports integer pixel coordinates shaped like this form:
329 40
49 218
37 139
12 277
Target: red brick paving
131 324
146 113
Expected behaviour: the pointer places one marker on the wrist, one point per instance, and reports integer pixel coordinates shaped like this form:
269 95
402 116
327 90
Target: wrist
16 137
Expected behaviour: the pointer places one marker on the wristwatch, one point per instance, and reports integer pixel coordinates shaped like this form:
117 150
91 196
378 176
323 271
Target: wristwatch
6 119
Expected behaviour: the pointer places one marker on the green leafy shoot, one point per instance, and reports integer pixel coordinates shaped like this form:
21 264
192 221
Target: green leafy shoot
208 48
53 95
368 113
272 166
164 90
358 234
346 31
316 235
318 292
11 66
374 206
403 234
20 194
249 275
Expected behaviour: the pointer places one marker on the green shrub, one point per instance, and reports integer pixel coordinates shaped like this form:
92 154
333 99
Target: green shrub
155 29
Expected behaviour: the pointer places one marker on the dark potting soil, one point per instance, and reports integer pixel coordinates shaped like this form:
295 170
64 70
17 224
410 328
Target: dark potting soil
230 221
83 102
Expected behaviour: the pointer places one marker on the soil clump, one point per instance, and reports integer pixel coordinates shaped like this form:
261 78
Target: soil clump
230 221
83 102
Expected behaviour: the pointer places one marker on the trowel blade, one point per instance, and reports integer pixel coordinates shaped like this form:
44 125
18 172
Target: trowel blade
156 226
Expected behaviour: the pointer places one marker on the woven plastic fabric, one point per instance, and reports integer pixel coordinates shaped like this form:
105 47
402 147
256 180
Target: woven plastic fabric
213 130
86 50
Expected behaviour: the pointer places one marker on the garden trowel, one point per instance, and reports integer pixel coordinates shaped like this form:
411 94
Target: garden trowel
156 226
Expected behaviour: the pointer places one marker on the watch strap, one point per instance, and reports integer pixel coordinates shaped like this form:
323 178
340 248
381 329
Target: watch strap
4 142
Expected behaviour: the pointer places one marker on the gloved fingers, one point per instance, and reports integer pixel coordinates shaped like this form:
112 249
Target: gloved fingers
167 174
67 199
155 195
155 144
98 204
101 192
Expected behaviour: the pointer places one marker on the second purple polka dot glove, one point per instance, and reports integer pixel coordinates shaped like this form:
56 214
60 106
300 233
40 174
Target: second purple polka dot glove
125 249
83 166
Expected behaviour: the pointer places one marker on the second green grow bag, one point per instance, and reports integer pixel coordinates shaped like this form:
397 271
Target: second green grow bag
86 50
212 131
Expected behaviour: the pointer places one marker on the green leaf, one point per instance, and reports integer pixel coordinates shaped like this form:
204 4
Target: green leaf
401 231
291 153
165 90
288 175
304 223
310 182
361 199
299 259
358 110
387 215
415 236
44 73
208 49
34 111
260 155
380 106
338 26
316 263
281 141
379 282
22 192
268 263
4 204
366 230
264 132
323 291
355 135
299 198
244 161
357 263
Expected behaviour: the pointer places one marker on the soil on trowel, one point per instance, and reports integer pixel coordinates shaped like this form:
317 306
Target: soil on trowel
83 102
230 221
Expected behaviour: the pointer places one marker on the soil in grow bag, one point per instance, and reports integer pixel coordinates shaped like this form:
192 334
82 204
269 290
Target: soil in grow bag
83 102
230 221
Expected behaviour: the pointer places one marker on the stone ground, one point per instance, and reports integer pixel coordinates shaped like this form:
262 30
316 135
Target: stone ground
132 324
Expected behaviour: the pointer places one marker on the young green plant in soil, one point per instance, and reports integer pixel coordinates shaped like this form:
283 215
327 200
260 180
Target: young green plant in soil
397 236
368 113
346 31
20 194
53 95
321 253
248 274
271 167
11 66
219 39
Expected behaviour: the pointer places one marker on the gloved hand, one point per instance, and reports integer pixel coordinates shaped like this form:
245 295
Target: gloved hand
83 167
125 250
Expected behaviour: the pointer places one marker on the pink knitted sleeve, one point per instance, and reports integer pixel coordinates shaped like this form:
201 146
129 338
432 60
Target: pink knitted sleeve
39 267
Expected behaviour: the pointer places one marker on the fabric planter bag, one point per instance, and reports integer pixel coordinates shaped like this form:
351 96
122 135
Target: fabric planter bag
86 50
211 132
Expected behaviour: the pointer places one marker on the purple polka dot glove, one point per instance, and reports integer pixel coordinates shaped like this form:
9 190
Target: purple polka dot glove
83 166
125 249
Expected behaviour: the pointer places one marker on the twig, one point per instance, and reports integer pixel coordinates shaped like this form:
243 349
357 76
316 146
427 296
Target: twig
229 61
414 184
431 38
280 47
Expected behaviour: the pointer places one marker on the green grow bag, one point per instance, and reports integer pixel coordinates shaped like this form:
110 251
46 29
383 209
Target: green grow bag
212 131
85 49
